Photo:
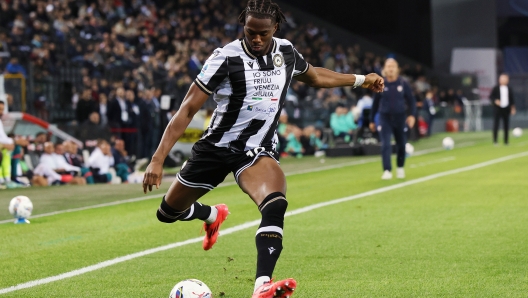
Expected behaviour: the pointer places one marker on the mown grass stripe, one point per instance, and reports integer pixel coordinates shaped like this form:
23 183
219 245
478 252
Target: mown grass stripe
254 223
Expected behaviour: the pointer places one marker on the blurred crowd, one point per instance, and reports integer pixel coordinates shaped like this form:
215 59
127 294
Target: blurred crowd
40 162
137 59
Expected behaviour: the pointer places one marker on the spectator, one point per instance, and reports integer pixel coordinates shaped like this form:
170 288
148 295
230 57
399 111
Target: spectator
72 156
85 106
294 146
91 131
103 109
282 132
119 112
430 111
130 136
100 162
13 67
151 124
54 167
311 140
40 103
16 156
4 49
121 160
342 123
365 103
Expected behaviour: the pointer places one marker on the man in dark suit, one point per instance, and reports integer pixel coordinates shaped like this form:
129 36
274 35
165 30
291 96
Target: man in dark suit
119 113
504 103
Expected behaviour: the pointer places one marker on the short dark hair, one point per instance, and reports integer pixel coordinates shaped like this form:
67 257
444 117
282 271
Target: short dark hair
263 9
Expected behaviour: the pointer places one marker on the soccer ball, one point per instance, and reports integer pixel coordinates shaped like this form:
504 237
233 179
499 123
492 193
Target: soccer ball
448 143
409 149
517 132
191 288
21 207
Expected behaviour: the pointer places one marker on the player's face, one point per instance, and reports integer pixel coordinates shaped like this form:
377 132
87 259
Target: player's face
259 34
391 68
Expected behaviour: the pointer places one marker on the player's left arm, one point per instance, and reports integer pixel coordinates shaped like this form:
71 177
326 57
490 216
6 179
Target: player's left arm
320 77
411 104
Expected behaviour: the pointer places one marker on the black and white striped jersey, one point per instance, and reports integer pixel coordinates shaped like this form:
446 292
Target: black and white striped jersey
250 92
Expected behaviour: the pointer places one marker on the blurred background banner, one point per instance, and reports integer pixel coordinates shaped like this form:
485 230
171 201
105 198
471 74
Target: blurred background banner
479 61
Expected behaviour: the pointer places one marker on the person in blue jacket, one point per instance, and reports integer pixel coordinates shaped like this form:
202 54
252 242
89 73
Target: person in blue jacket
396 107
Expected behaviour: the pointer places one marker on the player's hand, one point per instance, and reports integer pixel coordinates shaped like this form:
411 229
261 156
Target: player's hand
374 82
497 102
372 126
153 176
410 121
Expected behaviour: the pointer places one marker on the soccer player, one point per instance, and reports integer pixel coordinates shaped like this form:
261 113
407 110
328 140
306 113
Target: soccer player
393 105
249 79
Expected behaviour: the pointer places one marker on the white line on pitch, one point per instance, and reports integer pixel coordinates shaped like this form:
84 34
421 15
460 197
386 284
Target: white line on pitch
254 223
313 170
434 161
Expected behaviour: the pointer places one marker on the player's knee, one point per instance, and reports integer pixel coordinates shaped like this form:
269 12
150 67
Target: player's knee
166 213
273 208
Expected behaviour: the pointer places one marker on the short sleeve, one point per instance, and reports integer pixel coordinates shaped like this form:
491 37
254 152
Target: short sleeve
301 66
213 72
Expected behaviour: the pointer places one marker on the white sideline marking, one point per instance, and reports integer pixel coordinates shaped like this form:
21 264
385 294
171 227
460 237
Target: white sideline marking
423 164
254 223
313 170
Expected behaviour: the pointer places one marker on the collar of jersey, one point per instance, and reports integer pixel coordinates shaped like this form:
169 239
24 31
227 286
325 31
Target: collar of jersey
245 47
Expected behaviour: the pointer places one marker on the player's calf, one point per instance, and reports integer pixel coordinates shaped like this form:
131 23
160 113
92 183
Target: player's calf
167 214
269 236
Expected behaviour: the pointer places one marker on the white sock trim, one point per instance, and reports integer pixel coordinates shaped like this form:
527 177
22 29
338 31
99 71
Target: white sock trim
212 217
270 229
260 281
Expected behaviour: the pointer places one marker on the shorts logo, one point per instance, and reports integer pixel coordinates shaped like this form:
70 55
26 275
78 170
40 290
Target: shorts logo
278 61
250 108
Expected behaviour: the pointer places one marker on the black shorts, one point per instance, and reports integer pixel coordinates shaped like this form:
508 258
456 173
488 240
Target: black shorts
209 165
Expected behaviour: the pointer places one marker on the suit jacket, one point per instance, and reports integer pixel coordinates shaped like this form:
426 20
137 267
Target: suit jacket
495 94
114 113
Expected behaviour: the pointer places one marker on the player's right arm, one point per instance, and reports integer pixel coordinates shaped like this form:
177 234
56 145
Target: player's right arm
192 103
213 73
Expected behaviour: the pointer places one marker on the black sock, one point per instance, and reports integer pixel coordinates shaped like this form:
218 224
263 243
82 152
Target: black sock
167 214
197 211
269 234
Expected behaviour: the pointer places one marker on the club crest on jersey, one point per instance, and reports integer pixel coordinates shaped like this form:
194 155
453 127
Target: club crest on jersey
214 55
278 61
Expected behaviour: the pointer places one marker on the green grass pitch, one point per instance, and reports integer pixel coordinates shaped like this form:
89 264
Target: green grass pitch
460 235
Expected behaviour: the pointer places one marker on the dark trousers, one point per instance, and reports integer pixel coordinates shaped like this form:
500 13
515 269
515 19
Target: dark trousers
429 125
504 115
392 124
